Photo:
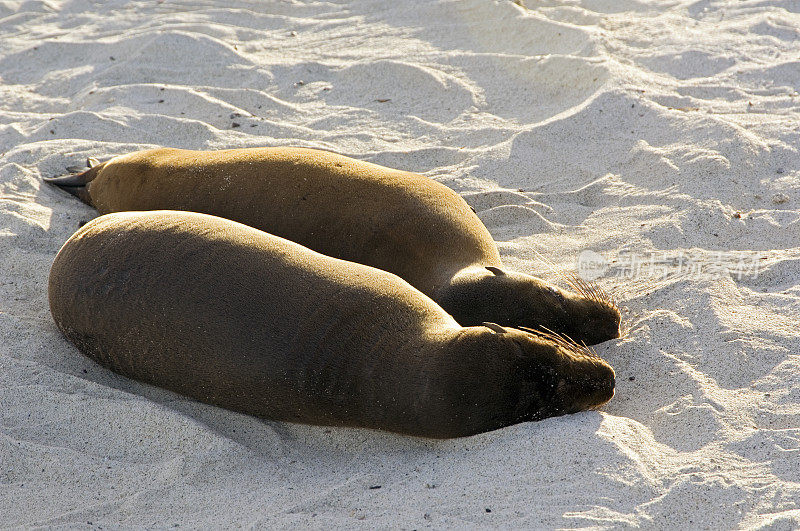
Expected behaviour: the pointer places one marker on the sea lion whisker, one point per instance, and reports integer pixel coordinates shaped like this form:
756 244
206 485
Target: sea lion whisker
496 328
581 347
605 295
581 289
591 290
562 340
544 333
575 282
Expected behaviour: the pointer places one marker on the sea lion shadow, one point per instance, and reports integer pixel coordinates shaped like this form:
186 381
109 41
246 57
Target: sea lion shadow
261 436
285 440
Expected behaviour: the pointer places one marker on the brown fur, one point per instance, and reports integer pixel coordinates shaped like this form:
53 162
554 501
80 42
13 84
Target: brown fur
235 317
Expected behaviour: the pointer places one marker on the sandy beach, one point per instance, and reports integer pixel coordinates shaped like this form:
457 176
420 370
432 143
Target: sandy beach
652 145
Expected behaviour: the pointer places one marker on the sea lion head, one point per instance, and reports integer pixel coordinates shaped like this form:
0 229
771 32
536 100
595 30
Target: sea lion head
556 376
587 315
497 376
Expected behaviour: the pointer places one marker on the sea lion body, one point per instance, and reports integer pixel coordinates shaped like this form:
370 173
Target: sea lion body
235 317
393 220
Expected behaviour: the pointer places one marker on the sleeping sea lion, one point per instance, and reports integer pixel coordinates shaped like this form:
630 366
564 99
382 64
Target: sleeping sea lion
242 319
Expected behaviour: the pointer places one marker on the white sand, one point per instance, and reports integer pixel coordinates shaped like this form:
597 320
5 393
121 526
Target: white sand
629 126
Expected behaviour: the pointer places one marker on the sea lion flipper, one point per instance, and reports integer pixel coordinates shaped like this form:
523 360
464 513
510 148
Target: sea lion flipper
91 162
75 184
73 179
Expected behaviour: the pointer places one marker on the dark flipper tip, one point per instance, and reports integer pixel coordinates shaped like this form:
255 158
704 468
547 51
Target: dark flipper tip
74 184
78 179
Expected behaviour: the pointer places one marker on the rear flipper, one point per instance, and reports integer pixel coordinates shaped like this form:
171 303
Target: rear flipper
78 181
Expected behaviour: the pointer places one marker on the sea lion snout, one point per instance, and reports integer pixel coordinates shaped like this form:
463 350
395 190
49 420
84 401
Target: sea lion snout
586 388
586 318
603 385
601 323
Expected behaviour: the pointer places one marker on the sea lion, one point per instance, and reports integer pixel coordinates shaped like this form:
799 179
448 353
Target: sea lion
233 316
394 220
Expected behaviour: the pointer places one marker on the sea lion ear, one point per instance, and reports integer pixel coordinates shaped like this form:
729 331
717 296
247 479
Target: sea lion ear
496 328
496 270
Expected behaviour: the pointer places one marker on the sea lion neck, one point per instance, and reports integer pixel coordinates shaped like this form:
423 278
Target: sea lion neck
474 292
465 382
